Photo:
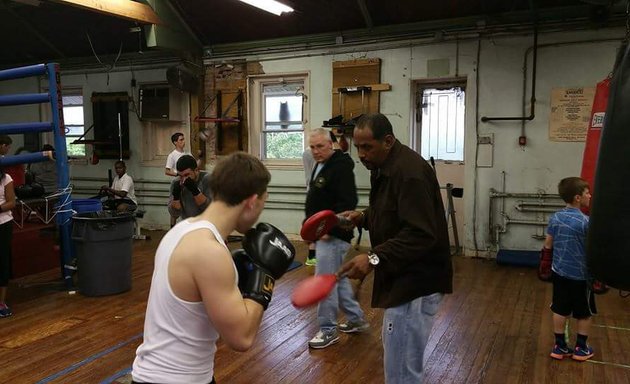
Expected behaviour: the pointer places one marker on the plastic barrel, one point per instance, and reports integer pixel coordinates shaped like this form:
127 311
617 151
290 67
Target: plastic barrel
103 243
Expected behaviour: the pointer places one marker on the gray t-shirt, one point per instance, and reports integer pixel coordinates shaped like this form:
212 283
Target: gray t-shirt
189 207
45 173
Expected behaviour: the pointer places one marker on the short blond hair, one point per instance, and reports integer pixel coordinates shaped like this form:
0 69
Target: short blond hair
319 131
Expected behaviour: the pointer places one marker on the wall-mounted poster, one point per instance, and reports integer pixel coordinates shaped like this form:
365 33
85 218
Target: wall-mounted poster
570 113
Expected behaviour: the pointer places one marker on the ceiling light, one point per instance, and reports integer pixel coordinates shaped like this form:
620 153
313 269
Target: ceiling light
271 6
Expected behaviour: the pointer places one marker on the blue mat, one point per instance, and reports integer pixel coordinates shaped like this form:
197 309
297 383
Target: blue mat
518 258
295 264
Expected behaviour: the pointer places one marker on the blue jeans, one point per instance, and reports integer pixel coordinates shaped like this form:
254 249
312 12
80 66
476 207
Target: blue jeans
330 253
405 333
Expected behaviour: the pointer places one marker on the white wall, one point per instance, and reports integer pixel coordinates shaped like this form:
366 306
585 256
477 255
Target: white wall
120 82
115 81
536 167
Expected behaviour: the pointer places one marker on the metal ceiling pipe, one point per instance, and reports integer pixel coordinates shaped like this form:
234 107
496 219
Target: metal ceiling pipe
463 29
496 194
541 210
532 114
540 46
525 222
495 230
540 204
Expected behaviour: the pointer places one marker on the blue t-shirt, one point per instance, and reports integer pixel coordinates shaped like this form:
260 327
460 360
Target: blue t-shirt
568 228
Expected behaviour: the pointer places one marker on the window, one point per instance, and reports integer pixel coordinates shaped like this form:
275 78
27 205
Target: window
278 115
443 123
73 120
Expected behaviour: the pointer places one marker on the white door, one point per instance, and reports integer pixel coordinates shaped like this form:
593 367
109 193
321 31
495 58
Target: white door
439 134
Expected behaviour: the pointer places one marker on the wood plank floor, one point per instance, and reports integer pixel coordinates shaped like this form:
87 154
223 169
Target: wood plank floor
495 328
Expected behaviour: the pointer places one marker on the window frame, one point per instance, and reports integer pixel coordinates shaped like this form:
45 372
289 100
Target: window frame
256 112
75 92
46 113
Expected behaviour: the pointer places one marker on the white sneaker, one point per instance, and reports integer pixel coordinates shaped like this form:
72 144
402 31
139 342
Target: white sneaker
324 339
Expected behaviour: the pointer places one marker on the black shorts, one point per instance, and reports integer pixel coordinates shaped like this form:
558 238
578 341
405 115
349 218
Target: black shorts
572 297
6 232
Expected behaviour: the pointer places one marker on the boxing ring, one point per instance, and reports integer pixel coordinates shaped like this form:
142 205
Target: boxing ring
43 209
59 207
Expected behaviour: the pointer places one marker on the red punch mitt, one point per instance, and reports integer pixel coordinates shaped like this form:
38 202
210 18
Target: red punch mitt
544 268
319 225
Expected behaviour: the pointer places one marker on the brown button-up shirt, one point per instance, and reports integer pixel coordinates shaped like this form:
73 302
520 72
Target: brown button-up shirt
408 230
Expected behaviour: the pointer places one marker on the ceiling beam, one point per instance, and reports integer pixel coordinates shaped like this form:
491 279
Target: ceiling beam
125 9
34 3
173 33
33 30
366 14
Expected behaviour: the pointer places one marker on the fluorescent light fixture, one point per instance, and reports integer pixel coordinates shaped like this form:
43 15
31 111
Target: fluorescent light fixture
271 6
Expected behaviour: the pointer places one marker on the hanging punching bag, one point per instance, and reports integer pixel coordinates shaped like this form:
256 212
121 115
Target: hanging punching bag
608 243
589 159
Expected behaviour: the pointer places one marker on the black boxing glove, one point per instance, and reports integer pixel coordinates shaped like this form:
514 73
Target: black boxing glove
191 185
177 191
253 282
242 263
269 249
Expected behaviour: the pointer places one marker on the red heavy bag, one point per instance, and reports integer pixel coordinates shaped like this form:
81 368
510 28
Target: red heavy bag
591 149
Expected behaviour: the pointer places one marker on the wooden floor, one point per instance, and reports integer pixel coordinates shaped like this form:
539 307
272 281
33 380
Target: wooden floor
495 328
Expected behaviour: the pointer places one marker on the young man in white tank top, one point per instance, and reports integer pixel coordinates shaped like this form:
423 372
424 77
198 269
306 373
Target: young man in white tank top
199 291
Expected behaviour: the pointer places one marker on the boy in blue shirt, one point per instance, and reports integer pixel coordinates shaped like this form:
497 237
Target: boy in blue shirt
572 294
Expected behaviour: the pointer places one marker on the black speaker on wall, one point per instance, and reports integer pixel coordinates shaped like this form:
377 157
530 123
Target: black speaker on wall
110 111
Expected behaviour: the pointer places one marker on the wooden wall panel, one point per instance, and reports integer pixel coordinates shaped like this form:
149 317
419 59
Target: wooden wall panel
229 79
353 75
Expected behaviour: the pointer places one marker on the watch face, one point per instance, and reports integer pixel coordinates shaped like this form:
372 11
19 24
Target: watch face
373 258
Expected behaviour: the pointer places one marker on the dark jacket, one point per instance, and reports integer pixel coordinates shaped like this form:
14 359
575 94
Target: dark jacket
408 230
333 188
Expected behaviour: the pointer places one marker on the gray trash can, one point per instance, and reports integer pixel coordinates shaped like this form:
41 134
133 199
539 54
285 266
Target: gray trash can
103 243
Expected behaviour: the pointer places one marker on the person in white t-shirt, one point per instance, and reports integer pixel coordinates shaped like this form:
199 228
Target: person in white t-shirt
179 142
122 194
7 203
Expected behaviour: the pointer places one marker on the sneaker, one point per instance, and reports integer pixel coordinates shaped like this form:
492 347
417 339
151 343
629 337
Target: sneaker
582 354
311 261
354 327
324 339
5 311
560 353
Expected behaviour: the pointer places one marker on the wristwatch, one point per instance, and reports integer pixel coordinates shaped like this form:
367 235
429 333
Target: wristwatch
373 258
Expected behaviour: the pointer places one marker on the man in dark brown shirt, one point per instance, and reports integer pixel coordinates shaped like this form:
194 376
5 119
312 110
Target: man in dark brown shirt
410 253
